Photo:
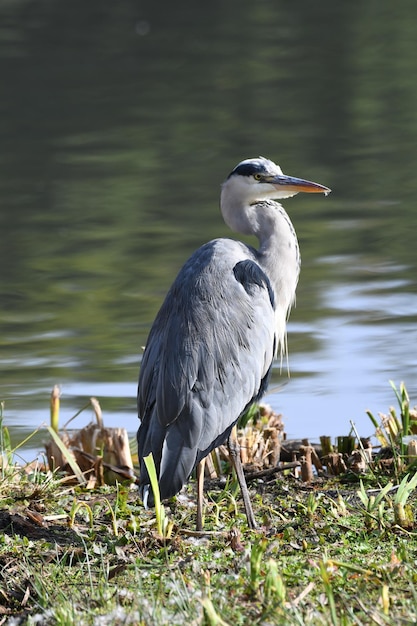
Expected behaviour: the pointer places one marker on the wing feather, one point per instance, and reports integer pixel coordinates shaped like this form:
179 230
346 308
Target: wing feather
207 357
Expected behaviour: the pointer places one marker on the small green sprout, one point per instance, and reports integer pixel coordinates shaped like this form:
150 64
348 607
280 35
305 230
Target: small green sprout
274 588
257 552
374 506
77 505
403 515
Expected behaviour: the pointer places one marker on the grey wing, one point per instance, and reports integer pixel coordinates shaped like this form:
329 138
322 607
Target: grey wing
207 357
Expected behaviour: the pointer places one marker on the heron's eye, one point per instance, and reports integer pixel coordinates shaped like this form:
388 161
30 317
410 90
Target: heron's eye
257 176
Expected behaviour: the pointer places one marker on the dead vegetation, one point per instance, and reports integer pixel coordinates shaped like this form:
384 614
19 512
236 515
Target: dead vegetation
336 544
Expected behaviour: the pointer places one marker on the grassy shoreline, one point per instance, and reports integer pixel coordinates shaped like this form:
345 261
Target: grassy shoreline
338 550
72 556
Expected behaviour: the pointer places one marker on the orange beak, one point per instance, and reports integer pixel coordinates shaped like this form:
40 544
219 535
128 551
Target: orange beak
296 185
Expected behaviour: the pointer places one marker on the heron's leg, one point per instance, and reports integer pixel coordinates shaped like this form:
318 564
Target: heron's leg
200 493
234 449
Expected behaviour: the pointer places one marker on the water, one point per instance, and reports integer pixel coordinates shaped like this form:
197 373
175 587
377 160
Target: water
118 124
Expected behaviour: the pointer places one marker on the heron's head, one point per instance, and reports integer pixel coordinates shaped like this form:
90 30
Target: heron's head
259 179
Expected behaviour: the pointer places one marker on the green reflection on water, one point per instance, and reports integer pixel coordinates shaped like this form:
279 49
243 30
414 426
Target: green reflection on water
114 145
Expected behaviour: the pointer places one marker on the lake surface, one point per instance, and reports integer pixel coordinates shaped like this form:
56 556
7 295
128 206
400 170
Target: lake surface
119 122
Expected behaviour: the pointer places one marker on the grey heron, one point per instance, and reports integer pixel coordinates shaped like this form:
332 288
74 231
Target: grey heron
210 349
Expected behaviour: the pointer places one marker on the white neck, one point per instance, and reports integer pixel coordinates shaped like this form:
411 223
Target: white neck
278 254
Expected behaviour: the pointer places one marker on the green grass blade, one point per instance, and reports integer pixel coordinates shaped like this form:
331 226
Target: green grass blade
159 514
